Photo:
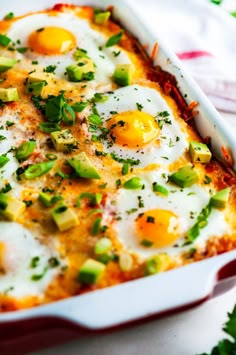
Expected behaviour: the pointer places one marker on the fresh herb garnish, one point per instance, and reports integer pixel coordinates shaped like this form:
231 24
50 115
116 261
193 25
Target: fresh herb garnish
114 39
139 106
22 49
9 123
79 106
3 160
28 203
227 346
150 219
207 179
6 188
34 261
140 202
121 160
201 222
132 210
9 16
146 243
50 69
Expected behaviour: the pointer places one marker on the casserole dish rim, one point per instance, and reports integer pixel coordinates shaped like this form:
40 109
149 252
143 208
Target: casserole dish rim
92 316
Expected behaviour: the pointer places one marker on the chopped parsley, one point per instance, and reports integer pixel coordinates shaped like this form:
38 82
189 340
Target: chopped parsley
9 123
22 49
139 106
207 179
140 202
50 69
132 210
121 160
150 219
34 261
146 243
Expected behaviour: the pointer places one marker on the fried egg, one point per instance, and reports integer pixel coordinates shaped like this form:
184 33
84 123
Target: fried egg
131 114
52 40
22 260
149 223
7 143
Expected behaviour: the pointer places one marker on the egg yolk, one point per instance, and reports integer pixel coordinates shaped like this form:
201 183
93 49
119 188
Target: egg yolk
133 128
159 227
51 41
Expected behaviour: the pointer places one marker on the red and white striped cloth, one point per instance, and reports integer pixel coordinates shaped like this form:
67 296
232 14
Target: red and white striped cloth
203 36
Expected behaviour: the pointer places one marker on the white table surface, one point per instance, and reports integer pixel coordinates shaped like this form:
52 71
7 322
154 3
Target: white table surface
188 333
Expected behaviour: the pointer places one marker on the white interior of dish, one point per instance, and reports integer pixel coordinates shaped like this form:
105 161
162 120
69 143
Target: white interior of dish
169 290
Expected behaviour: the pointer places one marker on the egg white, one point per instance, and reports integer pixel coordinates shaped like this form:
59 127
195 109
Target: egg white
185 203
11 140
86 38
19 248
173 141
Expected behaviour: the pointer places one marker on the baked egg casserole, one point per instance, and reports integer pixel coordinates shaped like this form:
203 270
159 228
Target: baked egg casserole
103 176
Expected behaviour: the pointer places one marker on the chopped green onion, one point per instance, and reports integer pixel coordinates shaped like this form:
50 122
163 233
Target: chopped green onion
94 199
38 277
51 156
25 150
125 262
114 39
96 226
99 98
53 262
95 119
49 127
161 189
22 49
6 189
3 160
79 106
34 261
37 170
60 209
63 175
134 183
9 123
125 169
201 222
217 2
68 114
102 246
80 53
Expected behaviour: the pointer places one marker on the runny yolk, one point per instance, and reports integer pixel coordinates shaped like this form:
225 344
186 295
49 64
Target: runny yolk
159 227
51 41
133 128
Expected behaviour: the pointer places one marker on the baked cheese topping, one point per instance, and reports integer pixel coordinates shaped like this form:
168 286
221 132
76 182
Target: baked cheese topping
103 178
